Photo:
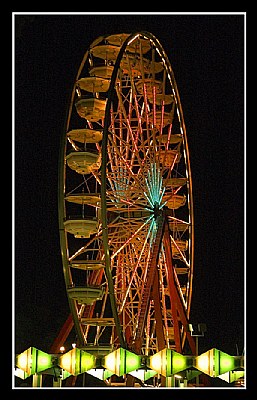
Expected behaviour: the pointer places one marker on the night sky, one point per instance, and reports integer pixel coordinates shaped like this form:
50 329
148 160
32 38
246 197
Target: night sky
207 56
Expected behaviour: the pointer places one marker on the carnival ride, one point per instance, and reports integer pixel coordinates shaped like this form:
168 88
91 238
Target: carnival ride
125 200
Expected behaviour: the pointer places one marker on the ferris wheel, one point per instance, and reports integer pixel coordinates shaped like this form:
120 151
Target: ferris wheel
125 199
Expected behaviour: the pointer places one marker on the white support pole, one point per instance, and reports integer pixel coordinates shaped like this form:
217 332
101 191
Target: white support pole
197 353
171 381
57 382
37 380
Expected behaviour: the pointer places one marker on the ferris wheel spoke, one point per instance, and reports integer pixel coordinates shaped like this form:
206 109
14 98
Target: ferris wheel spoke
138 260
130 238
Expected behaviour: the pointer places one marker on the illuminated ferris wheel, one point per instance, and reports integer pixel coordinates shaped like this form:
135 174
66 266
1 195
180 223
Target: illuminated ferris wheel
125 199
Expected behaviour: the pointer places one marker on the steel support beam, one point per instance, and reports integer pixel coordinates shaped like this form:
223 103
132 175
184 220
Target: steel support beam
179 308
145 300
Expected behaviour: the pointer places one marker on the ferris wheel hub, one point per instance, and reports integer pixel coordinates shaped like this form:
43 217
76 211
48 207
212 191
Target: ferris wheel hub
157 211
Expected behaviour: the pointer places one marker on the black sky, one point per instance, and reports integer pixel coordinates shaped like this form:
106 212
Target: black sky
207 56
